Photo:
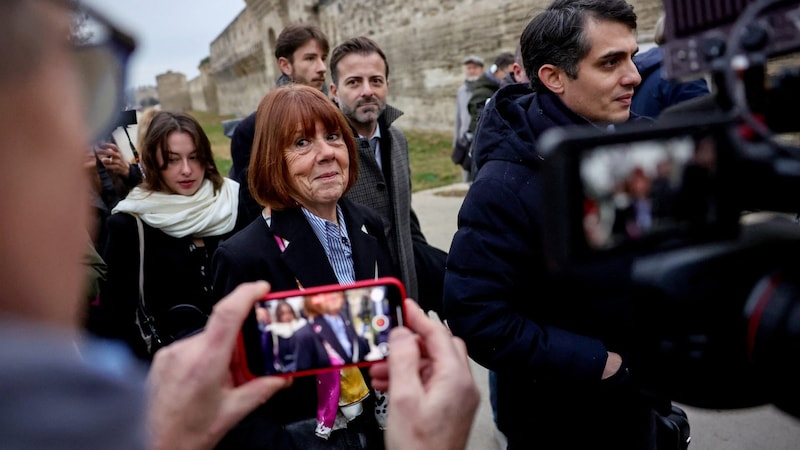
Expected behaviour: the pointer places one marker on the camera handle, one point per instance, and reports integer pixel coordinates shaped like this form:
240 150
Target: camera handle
133 147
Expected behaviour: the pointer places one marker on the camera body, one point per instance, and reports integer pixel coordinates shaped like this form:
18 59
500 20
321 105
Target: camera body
704 275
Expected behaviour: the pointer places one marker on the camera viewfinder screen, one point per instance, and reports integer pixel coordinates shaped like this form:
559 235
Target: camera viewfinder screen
636 190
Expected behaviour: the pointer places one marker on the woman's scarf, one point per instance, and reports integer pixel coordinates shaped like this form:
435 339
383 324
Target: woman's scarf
200 215
339 395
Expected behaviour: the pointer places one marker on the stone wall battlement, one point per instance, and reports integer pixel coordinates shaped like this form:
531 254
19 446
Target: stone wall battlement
424 40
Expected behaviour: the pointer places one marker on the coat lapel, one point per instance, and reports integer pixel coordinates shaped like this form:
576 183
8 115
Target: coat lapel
305 256
365 246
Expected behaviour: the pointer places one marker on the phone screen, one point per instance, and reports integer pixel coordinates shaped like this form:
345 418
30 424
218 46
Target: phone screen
302 332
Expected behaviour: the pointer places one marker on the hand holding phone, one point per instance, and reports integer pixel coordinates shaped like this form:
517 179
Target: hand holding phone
319 329
189 380
112 158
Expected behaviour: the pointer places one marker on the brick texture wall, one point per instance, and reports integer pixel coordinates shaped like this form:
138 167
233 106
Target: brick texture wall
424 40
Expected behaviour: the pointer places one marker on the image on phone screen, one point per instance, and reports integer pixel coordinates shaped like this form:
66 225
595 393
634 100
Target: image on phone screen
322 328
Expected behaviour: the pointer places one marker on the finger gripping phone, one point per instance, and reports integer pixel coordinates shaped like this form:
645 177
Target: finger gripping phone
313 330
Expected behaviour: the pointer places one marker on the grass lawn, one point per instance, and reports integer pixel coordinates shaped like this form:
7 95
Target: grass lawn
429 153
220 144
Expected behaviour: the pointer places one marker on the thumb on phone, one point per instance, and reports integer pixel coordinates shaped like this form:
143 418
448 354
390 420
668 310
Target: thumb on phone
404 365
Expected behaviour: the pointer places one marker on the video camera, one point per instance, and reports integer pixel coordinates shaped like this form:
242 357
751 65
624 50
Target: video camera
690 225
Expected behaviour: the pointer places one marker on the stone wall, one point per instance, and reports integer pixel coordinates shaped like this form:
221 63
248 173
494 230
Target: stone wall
424 40
238 65
203 90
173 91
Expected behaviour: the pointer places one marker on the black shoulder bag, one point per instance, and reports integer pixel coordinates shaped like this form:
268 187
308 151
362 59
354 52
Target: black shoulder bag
186 319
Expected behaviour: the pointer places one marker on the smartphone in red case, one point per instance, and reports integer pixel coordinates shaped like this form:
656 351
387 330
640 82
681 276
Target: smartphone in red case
307 331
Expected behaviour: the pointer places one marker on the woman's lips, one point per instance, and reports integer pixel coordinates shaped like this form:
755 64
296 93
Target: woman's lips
327 175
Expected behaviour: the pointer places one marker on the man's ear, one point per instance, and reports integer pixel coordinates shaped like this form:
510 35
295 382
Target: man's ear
333 91
518 73
285 65
552 78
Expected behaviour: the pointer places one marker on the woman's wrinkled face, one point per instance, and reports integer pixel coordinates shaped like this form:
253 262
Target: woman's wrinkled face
184 173
318 168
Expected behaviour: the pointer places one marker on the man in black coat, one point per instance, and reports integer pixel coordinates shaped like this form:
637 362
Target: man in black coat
562 379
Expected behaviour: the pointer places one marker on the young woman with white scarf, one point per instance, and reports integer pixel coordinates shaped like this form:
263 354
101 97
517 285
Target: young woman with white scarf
186 208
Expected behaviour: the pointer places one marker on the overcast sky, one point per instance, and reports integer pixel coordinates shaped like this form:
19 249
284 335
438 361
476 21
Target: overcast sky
170 34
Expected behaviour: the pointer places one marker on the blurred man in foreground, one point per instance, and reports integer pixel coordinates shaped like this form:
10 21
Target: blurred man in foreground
578 55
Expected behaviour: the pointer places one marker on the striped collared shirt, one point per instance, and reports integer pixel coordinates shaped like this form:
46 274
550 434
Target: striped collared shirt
336 242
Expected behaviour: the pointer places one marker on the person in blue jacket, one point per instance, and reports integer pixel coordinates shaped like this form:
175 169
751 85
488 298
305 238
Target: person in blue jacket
563 378
656 93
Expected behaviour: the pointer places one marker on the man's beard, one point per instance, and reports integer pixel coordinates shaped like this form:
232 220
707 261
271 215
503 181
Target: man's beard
364 117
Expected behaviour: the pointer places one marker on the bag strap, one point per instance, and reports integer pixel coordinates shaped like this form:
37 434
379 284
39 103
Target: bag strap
149 320
140 227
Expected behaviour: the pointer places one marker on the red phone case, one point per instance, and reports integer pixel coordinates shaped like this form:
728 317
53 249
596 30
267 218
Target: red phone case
241 365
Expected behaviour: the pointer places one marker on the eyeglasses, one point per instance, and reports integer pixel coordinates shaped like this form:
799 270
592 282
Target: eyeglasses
101 54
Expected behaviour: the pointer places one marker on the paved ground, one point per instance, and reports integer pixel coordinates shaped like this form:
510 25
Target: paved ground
757 428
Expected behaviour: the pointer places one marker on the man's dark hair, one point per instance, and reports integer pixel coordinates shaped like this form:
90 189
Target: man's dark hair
295 36
361 45
557 35
504 60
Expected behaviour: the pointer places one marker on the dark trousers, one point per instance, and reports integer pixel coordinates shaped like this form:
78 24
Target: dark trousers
573 415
